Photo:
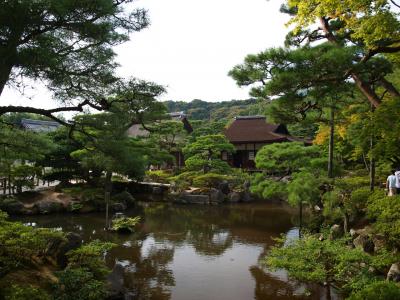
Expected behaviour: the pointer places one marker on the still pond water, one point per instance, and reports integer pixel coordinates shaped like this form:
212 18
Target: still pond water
194 252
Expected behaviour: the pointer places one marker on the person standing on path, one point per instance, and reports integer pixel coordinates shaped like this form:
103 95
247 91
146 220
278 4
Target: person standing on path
391 183
397 175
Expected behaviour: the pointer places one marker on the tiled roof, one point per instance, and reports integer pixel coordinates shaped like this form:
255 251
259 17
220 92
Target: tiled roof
39 125
255 129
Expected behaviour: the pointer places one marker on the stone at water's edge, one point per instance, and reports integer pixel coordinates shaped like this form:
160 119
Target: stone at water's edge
394 273
57 248
192 199
234 197
49 206
12 206
216 196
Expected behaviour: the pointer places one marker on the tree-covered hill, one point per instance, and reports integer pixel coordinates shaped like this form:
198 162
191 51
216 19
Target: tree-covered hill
203 110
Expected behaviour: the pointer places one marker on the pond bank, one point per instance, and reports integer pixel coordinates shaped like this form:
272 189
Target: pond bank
77 199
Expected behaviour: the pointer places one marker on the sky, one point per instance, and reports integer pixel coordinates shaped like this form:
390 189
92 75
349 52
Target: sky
189 47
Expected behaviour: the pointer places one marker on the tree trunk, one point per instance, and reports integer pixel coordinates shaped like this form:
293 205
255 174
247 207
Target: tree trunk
300 218
390 88
107 195
372 159
366 89
5 71
331 142
345 223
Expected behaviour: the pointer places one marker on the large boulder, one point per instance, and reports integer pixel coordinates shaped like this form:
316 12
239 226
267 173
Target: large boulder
49 206
234 197
224 187
192 199
394 273
246 197
12 206
119 206
216 196
57 248
364 242
379 242
124 197
336 232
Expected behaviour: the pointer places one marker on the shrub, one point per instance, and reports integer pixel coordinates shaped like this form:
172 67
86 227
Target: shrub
386 213
210 180
379 290
268 188
123 197
89 257
19 292
159 176
78 284
125 224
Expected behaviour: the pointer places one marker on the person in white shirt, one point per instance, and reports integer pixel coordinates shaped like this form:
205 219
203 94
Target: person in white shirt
391 184
397 174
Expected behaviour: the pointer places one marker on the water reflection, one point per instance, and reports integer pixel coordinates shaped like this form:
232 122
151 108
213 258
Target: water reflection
193 252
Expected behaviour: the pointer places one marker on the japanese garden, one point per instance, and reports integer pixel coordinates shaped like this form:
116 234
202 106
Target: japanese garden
111 188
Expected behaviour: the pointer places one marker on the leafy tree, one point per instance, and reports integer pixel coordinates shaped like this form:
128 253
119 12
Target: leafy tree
372 26
204 154
67 44
330 262
285 157
106 145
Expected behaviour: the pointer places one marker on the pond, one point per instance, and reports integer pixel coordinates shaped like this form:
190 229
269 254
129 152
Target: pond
194 252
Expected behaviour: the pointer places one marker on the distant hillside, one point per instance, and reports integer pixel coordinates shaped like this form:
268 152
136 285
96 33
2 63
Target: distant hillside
203 110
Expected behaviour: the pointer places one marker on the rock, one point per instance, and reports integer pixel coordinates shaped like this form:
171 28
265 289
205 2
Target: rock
216 196
286 179
317 208
246 185
379 242
335 232
224 187
12 206
353 233
124 197
49 206
234 197
364 242
118 207
115 280
157 190
192 199
246 197
58 248
394 273
321 237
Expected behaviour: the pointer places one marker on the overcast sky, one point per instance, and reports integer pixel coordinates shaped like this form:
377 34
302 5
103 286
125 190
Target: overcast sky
190 47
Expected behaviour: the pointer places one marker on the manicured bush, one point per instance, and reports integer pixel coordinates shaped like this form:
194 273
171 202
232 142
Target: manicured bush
125 224
379 290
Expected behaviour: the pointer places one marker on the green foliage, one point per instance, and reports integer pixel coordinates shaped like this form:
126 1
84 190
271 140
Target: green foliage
160 176
212 111
210 180
304 187
379 290
285 157
331 261
19 292
204 154
268 188
125 224
72 51
89 257
19 244
79 284
385 211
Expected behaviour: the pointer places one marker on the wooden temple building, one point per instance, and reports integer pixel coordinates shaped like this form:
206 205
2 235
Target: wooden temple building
249 134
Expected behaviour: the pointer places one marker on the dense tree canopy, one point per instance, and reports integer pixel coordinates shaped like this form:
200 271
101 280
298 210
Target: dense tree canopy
68 45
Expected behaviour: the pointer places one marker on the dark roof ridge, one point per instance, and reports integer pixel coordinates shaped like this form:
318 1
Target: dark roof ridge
250 117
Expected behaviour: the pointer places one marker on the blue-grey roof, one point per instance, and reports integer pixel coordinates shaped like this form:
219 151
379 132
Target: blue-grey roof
39 125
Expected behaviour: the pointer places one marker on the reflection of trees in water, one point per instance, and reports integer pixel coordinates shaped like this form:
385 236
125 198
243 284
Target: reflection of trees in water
269 286
212 230
145 269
